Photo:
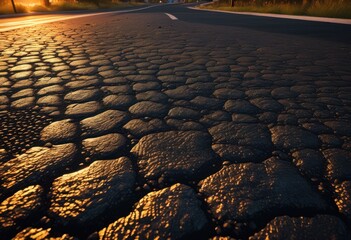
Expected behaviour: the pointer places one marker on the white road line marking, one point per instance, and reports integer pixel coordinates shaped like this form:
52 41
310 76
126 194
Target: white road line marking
4 28
295 17
171 16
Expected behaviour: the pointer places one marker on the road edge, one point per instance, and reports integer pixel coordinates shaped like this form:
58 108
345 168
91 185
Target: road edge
86 11
82 15
283 16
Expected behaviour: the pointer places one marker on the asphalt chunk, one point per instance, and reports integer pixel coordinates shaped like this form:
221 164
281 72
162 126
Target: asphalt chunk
171 212
35 165
174 154
318 227
87 194
245 191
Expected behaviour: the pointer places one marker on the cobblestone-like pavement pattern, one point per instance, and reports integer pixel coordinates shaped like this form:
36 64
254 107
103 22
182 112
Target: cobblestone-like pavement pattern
134 126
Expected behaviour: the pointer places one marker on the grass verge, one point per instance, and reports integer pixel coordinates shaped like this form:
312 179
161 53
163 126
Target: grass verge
7 9
328 8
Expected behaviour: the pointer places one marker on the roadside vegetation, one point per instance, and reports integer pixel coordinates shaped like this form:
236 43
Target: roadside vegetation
320 8
7 8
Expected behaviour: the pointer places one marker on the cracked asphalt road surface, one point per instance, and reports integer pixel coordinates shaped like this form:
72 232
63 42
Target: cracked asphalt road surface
208 126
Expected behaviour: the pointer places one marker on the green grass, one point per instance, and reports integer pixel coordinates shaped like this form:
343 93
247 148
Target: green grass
328 8
7 9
